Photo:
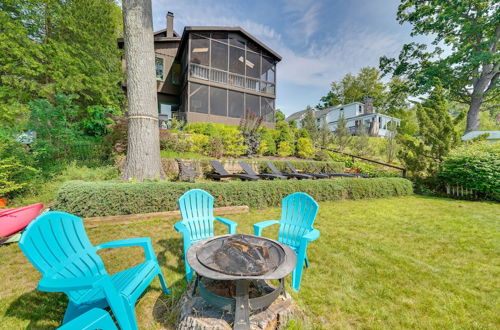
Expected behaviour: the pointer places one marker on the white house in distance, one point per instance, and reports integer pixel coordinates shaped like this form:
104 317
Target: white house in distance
355 113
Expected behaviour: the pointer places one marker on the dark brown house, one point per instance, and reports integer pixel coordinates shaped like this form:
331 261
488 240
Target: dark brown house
213 74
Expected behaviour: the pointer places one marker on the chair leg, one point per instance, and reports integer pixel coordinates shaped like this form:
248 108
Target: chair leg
72 311
162 281
189 271
307 262
297 273
123 312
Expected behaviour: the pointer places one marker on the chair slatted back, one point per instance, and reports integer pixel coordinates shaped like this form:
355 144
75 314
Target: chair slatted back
298 213
249 170
273 168
197 210
57 245
219 169
291 168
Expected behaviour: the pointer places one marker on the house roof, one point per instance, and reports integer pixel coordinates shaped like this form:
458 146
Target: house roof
189 29
493 135
300 114
159 36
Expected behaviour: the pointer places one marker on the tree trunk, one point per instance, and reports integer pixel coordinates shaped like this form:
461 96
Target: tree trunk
143 154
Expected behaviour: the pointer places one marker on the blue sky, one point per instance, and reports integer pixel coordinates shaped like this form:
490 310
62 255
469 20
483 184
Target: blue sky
320 40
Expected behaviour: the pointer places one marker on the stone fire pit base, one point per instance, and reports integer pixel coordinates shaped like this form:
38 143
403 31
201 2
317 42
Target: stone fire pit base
196 313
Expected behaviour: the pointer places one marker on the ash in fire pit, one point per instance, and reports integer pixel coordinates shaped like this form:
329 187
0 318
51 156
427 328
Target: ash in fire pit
241 255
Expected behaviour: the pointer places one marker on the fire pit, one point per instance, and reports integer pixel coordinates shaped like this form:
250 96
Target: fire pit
243 259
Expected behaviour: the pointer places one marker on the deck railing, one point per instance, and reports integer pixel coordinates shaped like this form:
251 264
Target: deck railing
232 79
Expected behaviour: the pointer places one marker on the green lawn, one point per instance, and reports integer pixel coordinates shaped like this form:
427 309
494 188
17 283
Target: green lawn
409 262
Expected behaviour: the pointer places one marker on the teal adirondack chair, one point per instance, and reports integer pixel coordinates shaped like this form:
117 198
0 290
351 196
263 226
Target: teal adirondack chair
197 210
298 212
57 245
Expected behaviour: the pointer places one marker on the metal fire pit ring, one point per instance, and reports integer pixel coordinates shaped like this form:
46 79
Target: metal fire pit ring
241 304
228 304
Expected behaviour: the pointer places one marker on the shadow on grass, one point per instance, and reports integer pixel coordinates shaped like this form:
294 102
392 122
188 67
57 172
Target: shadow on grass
44 310
164 309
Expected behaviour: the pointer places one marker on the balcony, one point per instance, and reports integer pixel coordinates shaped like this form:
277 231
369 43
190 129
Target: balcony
231 79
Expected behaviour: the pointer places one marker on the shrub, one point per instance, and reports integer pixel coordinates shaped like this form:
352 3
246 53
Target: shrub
474 166
284 149
88 199
267 138
230 135
305 148
198 143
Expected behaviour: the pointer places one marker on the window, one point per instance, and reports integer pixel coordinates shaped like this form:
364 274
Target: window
253 65
218 101
219 55
199 50
176 73
236 104
198 98
167 109
252 104
237 60
160 67
267 109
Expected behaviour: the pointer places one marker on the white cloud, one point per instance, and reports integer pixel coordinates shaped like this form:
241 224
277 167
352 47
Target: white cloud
304 15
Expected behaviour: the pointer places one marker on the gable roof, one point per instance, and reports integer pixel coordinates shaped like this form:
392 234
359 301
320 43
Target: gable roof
493 135
189 29
300 114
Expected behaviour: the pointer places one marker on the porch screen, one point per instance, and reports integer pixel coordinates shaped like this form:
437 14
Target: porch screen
235 104
267 109
198 98
218 101
200 48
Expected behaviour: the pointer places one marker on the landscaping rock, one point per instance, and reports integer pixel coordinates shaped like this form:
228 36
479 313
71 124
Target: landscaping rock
196 313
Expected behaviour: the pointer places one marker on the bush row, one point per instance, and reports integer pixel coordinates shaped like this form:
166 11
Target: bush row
90 199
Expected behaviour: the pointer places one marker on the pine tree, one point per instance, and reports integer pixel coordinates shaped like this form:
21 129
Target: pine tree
423 154
309 124
343 136
362 142
325 135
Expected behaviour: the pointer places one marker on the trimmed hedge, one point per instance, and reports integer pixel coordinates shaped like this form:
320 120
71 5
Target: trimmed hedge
90 199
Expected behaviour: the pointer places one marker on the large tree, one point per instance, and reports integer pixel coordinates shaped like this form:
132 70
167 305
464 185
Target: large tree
58 46
353 88
143 153
465 50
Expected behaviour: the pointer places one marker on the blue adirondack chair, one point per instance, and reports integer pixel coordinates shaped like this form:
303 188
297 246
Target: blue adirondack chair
197 210
298 212
95 318
57 245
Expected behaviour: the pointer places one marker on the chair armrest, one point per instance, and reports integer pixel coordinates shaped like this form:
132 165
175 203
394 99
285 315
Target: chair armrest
257 228
186 234
64 284
144 242
231 225
311 236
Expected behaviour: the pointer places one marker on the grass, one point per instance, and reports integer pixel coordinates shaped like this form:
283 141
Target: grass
408 262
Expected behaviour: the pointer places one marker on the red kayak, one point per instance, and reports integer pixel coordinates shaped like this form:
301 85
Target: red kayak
14 220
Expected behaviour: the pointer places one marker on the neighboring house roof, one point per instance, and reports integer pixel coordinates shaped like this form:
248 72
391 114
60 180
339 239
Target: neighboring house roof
493 135
296 115
188 29
321 113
